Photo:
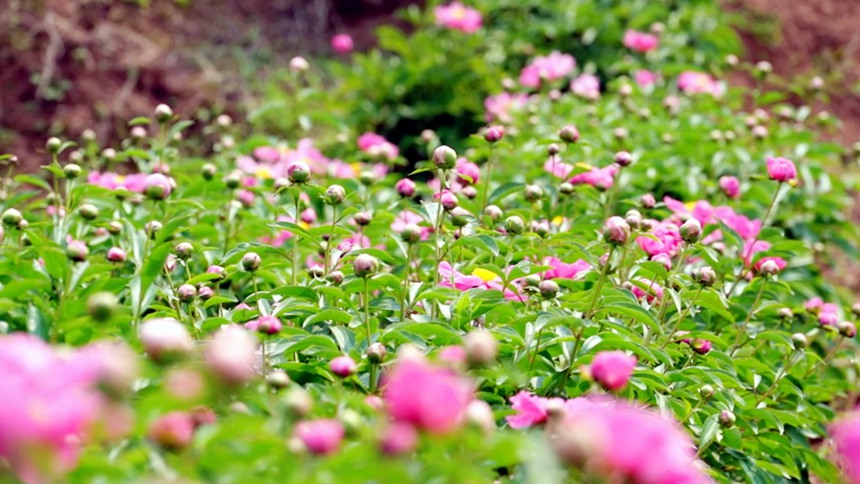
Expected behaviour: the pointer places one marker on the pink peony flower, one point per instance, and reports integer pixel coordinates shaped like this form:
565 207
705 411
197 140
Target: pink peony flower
561 270
111 181
159 184
640 41
500 107
557 168
692 82
377 145
647 289
454 355
547 69
457 16
602 178
265 325
398 438
321 437
828 314
343 366
612 369
781 169
429 398
731 186
779 261
480 278
645 78
172 431
164 337
231 354
468 172
845 434
531 410
342 43
405 187
586 86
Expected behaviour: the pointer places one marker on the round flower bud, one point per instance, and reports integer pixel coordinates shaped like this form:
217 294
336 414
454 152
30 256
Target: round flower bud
469 192
23 224
186 292
494 134
705 276
648 201
109 154
533 193
800 340
569 134
163 113
152 227
233 180
376 353
493 212
299 64
405 188
115 254
363 218
183 250
548 289
12 217
623 158
367 178
101 306
157 186
224 121
205 293
847 329
620 133
316 272
114 227
231 355
298 401
855 308
251 261
335 278
706 391
691 230
540 228
278 379
365 265
759 132
768 268
479 413
514 225
816 83
727 418
553 149
763 68
208 171
532 280
444 157
53 145
785 313
343 366
411 233
335 194
88 211
616 231
72 171
299 172
566 188
481 347
165 338
459 216
448 200
633 218
77 250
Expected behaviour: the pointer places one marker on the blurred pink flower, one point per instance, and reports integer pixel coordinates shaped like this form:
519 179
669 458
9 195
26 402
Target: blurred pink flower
597 177
377 145
457 16
692 82
781 169
557 169
499 107
398 438
407 217
612 369
547 68
468 169
640 41
586 86
172 431
134 183
321 437
645 78
845 433
343 366
449 277
342 43
531 410
647 289
779 261
430 398
731 186
561 270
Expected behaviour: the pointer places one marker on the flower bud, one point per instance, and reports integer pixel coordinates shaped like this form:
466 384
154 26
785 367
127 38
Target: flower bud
365 265
77 250
566 188
115 254
514 225
533 193
444 157
847 329
768 268
53 145
398 438
165 338
12 217
691 230
186 292
72 171
335 194
541 228
405 187
152 227
299 64
785 313
101 306
494 134
548 289
648 201
367 178
616 231
763 68
163 113
481 347
706 391
448 200
299 172
208 171
205 293
233 180
376 353
251 261
552 149
855 308
800 340
469 192
278 379
343 366
316 272
335 278
298 401
157 186
172 432
727 418
231 355
623 158
620 133
705 276
88 211
479 413
493 212
569 134
532 280
183 250
633 218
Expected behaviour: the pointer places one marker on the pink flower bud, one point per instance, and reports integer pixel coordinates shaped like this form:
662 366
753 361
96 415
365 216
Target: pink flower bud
299 172
157 186
569 134
730 186
769 266
405 187
172 431
494 134
343 366
616 231
115 254
231 355
448 200
612 369
342 43
321 437
481 347
781 169
265 325
398 438
164 337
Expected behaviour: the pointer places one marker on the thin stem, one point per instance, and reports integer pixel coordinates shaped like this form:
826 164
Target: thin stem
782 372
744 269
682 316
367 310
330 238
487 181
372 378
405 292
537 350
742 328
296 243
600 282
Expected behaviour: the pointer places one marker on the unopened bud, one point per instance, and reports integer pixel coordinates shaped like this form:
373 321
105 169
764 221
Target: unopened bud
514 225
444 157
548 289
481 347
365 265
616 231
251 261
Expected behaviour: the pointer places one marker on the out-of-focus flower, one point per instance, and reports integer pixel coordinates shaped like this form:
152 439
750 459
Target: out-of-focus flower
342 43
845 433
231 354
731 186
612 369
111 181
640 41
645 78
547 68
602 178
562 270
586 86
501 106
692 82
321 437
781 169
457 16
378 146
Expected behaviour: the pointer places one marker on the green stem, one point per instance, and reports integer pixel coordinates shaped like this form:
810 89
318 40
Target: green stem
782 372
296 243
744 269
487 183
682 316
743 326
367 310
597 288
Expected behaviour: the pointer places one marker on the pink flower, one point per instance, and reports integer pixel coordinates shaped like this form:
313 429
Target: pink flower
828 314
531 410
265 325
468 172
172 431
645 78
547 69
646 289
480 278
458 17
377 145
731 186
398 438
845 433
321 437
779 261
454 355
602 178
640 41
405 187
500 107
557 169
158 184
343 366
231 354
111 181
781 169
629 444
561 270
612 369
164 337
692 82
426 397
586 86
342 43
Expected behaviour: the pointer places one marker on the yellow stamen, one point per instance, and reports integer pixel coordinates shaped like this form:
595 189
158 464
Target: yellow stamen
484 274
